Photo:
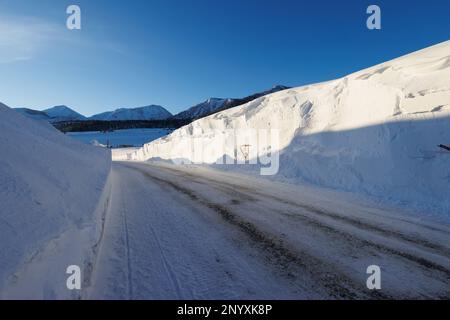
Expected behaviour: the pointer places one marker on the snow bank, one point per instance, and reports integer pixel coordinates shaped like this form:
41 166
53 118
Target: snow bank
122 154
374 132
50 187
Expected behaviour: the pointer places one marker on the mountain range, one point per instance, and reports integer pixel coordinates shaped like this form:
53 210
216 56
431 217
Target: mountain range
151 112
213 105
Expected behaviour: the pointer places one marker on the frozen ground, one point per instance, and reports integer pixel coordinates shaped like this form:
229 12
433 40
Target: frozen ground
175 232
127 137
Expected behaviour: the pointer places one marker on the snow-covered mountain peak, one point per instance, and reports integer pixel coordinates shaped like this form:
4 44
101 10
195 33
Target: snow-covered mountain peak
213 105
63 113
151 112
278 87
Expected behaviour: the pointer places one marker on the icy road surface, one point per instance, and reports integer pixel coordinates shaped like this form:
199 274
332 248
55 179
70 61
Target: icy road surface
174 232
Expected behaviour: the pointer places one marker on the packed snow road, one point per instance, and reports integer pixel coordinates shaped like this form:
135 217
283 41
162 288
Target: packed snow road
174 232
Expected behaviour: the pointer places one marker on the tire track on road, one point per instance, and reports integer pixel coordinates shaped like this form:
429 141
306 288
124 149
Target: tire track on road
291 263
425 264
250 194
127 252
168 269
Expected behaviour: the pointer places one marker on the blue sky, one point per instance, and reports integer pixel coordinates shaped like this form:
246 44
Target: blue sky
177 53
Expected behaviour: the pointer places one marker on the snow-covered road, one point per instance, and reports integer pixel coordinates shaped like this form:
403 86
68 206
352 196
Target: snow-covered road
174 232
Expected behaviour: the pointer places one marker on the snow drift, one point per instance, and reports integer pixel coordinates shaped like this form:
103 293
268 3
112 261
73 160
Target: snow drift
34 114
374 132
50 186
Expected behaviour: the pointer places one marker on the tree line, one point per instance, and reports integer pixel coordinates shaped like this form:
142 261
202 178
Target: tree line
97 125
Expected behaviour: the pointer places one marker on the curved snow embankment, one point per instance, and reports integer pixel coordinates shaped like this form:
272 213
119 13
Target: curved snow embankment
43 275
373 132
123 154
49 198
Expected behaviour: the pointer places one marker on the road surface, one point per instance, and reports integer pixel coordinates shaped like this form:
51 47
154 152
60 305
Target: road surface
174 232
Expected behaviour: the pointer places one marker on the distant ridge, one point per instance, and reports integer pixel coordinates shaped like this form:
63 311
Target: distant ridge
151 112
63 113
213 105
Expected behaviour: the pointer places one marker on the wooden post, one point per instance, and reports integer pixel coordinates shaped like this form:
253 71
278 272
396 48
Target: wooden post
245 149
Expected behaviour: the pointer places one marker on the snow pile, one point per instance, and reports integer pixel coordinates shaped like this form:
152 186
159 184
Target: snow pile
34 114
152 112
50 186
123 154
374 132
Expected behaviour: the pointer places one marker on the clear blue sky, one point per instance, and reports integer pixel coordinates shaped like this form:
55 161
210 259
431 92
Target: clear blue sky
178 53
